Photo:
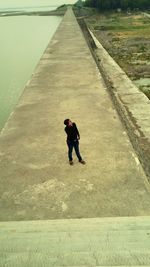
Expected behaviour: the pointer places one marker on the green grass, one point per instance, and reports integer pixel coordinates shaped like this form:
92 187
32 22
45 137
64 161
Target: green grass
119 27
120 23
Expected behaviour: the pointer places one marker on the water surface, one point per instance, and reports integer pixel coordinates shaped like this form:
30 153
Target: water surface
23 40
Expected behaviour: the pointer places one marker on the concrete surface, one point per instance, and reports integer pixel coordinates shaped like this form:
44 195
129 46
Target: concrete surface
84 242
132 105
36 180
146 14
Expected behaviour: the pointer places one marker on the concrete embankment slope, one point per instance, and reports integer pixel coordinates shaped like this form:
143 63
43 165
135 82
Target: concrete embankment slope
132 105
85 242
36 179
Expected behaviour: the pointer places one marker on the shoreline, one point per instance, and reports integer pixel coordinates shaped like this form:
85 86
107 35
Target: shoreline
33 13
60 11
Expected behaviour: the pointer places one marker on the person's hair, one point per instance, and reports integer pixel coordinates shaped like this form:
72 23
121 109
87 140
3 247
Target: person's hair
66 121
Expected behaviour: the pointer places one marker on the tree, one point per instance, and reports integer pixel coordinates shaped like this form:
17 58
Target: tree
79 3
114 4
124 4
88 3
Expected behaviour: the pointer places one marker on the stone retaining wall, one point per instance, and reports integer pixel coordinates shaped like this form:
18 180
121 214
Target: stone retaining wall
132 105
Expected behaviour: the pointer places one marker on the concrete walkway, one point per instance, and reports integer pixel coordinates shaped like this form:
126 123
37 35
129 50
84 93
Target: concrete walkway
36 179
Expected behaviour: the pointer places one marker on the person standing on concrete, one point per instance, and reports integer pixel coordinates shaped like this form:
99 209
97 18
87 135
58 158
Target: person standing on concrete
73 137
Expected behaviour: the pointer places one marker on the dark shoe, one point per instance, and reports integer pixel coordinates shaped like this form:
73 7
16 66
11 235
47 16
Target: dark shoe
71 162
82 162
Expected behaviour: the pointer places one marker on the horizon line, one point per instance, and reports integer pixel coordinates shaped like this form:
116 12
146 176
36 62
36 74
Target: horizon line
30 6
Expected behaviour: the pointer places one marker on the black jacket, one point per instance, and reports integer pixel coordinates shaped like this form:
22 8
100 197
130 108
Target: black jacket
72 132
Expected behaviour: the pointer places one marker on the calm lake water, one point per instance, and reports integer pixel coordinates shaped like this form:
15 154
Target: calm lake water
23 40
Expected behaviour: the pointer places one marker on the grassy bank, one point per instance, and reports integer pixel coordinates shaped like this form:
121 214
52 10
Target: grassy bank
127 39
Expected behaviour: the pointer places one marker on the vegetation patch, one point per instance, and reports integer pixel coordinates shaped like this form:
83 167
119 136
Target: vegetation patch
126 36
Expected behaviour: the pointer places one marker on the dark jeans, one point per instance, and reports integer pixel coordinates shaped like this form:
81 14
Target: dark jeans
75 145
